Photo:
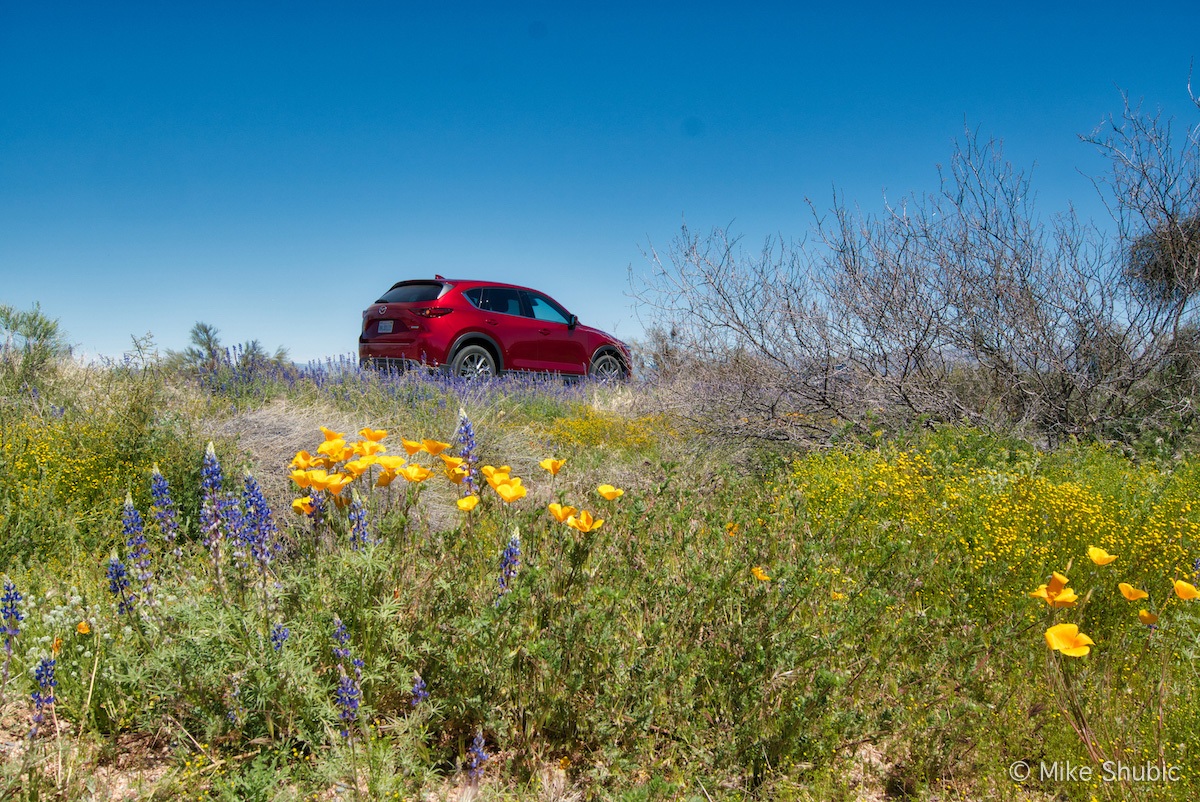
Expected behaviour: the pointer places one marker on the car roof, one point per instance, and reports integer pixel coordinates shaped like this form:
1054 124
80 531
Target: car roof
464 283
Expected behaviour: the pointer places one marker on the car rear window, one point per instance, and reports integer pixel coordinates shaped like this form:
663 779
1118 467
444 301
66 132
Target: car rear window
413 292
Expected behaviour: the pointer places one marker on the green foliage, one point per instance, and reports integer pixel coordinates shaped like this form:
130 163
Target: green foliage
756 634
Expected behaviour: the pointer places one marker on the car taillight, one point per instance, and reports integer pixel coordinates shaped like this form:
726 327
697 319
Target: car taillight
433 311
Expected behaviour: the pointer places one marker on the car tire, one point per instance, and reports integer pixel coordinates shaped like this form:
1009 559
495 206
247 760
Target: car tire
608 367
474 362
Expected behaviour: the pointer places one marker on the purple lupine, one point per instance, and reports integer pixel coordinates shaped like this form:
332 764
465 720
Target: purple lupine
341 638
138 551
476 756
279 636
466 441
347 697
118 586
165 512
510 561
258 531
43 697
359 535
419 694
10 618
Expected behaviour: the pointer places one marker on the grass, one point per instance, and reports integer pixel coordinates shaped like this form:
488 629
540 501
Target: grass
745 624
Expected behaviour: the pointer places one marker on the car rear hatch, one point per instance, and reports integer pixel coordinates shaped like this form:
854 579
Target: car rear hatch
399 316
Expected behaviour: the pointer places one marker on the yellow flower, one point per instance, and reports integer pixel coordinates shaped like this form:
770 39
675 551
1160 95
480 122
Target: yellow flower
609 492
415 473
1185 590
561 513
1067 638
411 446
1131 593
553 465
467 503
301 479
760 574
374 435
488 470
302 506
833 594
337 482
434 447
357 467
451 462
367 448
1100 556
330 434
584 522
385 478
317 479
334 449
1148 618
1056 594
56 647
496 478
456 475
510 491
83 628
389 462
303 460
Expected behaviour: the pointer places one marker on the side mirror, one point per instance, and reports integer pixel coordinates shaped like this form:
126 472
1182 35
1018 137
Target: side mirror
572 322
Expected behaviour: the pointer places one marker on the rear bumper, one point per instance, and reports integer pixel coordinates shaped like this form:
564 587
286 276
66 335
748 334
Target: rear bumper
398 353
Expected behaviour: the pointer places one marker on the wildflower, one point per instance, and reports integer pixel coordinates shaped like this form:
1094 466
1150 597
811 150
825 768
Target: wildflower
1148 618
584 522
341 638
359 536
415 473
336 450
1186 590
11 618
210 472
83 628
1100 556
303 461
1056 593
347 697
366 448
118 586
419 694
760 574
451 462
303 506
511 490
457 475
465 437
467 503
43 697
135 541
330 434
358 467
1067 638
374 435
279 636
553 465
164 509
497 478
833 594
609 492
434 447
411 446
476 757
1131 593
335 483
258 532
510 561
488 471
560 513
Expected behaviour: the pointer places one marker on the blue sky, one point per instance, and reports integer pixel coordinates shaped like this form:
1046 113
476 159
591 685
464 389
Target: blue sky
271 168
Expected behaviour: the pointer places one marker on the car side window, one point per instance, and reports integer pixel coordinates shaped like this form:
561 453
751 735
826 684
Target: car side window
545 309
504 300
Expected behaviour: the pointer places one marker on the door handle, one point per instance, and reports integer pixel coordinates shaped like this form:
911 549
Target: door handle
491 321
543 331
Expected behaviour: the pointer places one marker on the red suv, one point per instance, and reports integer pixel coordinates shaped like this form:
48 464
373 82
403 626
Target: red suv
482 328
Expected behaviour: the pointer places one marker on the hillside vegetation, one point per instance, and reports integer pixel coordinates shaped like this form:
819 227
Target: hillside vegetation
856 621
